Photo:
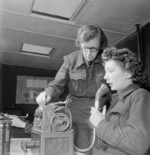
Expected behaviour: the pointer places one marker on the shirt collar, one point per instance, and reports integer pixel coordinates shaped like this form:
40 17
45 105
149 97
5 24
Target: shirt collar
125 92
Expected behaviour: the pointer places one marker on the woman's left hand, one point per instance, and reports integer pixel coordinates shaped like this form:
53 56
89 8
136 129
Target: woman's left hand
97 116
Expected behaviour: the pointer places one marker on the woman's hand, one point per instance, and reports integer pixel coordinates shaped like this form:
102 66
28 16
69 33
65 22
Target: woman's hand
97 116
17 122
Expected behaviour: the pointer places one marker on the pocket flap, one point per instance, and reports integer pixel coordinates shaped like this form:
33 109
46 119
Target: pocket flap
78 74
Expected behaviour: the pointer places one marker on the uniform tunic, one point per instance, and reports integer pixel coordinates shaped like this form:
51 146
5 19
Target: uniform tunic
126 130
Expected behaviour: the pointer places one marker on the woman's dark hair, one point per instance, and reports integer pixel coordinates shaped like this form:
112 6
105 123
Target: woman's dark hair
89 32
128 60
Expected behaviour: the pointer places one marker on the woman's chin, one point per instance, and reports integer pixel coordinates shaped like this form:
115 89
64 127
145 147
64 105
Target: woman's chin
90 59
112 88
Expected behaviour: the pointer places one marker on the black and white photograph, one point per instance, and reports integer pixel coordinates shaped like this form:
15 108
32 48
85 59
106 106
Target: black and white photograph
74 77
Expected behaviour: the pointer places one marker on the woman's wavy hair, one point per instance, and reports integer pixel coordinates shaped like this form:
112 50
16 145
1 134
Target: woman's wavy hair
89 32
129 62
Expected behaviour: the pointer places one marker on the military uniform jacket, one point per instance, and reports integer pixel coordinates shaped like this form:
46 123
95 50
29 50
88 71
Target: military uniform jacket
126 130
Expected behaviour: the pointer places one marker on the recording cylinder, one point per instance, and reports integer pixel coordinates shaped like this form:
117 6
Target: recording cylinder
5 126
2 136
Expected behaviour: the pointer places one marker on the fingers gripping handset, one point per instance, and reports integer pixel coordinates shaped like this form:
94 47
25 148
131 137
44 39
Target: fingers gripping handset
104 111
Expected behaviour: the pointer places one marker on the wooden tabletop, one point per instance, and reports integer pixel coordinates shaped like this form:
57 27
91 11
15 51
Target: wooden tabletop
15 146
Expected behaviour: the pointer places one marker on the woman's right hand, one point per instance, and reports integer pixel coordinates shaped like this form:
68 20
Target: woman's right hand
17 122
43 98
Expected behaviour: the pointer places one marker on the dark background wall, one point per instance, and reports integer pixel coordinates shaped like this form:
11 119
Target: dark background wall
132 42
9 81
0 88
146 43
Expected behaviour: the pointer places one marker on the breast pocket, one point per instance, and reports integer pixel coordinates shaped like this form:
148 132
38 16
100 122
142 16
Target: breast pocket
120 113
78 75
77 81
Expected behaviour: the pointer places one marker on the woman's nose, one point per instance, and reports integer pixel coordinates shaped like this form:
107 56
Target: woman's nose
105 77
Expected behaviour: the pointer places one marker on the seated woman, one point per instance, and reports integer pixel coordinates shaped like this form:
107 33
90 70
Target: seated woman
17 122
125 128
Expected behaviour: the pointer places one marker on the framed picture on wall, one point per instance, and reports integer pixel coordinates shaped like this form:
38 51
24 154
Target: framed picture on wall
28 88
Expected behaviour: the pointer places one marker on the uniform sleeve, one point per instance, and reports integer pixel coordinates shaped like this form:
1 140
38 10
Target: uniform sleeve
134 137
55 88
28 128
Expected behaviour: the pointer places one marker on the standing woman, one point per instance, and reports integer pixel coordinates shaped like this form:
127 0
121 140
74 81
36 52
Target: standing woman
83 73
125 128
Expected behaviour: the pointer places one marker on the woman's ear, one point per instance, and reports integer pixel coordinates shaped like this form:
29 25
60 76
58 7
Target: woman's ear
128 74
